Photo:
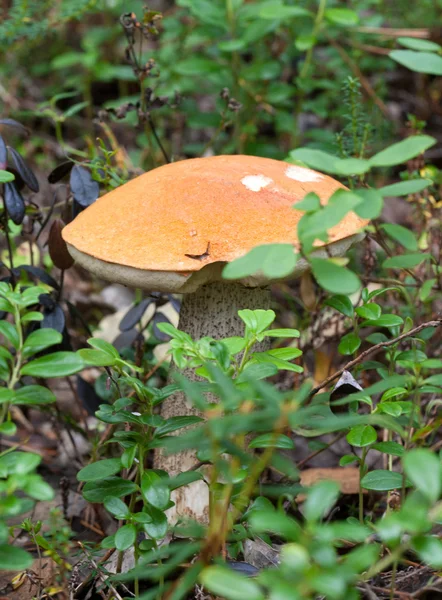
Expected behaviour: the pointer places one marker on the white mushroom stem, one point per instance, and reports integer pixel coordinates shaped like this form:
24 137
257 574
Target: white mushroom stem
211 311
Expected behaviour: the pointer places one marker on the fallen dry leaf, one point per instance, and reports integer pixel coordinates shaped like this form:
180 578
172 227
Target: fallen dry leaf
347 477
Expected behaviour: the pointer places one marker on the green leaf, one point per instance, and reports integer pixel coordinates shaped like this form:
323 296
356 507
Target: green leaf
384 321
257 320
8 331
347 459
19 463
426 289
125 537
342 304
14 559
320 499
278 11
104 346
418 44
421 62
271 440
349 343
424 470
329 163
196 65
405 261
229 584
96 492
234 344
429 548
6 176
281 364
58 364
402 235
157 529
393 409
8 428
281 333
341 16
33 315
382 481
392 448
310 203
117 507
102 469
361 436
175 423
40 340
275 261
38 489
371 205
304 42
96 358
6 395
334 278
154 490
369 311
404 188
402 151
33 395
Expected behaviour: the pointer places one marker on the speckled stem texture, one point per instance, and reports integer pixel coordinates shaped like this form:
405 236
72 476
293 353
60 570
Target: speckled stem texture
211 311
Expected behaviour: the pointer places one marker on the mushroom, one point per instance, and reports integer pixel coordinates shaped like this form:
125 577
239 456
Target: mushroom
174 229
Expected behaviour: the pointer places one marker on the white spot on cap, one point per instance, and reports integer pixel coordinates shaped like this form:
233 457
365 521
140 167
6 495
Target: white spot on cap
255 183
302 174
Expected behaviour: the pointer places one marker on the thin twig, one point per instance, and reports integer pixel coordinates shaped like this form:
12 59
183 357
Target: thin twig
394 32
364 81
375 348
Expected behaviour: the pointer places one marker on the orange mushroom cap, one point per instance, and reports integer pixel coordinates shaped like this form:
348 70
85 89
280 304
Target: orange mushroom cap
182 217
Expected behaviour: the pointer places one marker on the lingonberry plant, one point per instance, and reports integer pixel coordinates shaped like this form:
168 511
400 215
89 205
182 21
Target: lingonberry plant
344 373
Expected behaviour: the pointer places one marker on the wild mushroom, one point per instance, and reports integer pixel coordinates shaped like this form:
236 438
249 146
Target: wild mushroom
174 229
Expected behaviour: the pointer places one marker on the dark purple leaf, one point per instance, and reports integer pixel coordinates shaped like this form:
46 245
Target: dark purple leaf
14 125
88 396
39 274
242 567
47 301
14 203
134 314
76 315
60 171
125 339
3 154
54 318
76 209
157 319
84 189
25 172
175 302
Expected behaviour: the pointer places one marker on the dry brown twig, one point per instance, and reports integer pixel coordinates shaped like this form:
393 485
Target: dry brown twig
375 348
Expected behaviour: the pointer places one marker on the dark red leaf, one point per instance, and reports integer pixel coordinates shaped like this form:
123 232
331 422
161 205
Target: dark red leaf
58 250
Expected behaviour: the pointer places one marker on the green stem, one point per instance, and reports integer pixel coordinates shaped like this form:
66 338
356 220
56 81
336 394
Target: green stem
318 20
235 63
361 493
15 375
